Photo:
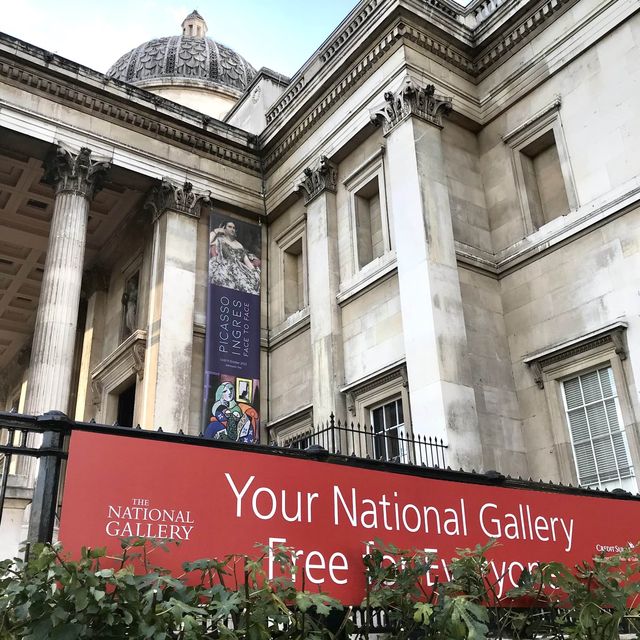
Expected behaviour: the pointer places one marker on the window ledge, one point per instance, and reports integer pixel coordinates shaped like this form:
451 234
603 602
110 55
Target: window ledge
291 326
609 334
376 271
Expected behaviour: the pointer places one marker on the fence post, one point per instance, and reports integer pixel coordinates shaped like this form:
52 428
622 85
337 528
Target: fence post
45 494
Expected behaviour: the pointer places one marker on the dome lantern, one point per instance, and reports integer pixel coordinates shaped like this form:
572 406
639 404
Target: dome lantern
194 26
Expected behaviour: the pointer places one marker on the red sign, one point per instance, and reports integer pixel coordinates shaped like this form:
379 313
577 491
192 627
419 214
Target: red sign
219 501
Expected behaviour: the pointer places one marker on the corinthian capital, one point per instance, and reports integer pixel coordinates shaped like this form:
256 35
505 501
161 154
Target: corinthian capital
410 99
74 173
324 177
168 196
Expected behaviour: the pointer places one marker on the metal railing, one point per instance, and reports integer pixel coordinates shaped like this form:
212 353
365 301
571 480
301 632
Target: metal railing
391 445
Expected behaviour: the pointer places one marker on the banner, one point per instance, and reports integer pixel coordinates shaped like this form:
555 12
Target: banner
216 501
232 346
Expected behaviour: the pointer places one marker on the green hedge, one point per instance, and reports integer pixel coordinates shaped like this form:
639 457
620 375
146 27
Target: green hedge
49 597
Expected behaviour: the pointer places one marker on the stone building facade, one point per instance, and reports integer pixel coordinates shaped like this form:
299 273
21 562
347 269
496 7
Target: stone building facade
449 206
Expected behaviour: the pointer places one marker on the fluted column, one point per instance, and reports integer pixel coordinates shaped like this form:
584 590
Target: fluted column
441 393
167 381
76 178
319 191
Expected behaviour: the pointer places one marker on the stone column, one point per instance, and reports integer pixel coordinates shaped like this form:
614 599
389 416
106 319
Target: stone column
319 191
167 380
442 399
76 179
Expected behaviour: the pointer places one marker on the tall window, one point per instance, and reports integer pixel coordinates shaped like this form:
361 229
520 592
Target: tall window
369 235
387 422
544 184
293 274
599 442
542 168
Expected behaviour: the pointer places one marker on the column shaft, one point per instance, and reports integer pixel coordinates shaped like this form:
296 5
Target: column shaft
170 331
442 397
326 324
56 320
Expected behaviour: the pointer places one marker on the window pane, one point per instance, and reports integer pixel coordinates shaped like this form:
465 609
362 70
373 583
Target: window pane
572 393
606 380
378 419
579 426
391 419
597 418
591 387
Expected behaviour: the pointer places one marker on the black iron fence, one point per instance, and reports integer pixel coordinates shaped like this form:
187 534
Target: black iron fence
23 440
393 444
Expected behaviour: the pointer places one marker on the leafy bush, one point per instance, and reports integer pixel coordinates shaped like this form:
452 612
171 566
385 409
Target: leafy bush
50 598
109 598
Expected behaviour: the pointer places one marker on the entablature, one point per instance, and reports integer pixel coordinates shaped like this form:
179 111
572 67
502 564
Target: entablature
51 76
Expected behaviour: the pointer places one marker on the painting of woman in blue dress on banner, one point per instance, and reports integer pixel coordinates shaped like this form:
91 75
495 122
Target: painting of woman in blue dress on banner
232 350
231 420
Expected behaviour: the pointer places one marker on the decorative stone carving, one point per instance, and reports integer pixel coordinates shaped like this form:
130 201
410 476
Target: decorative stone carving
168 196
139 351
116 370
77 173
323 178
96 392
130 305
610 335
184 58
411 99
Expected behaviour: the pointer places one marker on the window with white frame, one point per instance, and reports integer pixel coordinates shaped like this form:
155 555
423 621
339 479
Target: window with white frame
598 439
590 396
387 424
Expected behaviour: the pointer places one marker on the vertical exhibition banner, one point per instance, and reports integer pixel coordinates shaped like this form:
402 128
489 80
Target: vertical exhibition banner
232 346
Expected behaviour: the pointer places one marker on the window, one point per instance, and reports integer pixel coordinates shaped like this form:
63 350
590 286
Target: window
291 295
378 407
544 185
369 235
369 221
293 276
542 170
598 439
590 396
389 439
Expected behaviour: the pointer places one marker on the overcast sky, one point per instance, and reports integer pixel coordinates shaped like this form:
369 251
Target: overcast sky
280 34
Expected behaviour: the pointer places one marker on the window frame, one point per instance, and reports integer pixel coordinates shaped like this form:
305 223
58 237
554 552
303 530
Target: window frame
524 135
576 376
595 350
293 234
399 428
371 169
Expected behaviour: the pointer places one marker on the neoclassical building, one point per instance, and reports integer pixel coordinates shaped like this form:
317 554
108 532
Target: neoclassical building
447 201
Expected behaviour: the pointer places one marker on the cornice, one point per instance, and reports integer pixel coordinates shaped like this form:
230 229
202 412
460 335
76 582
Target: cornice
281 136
135 109
336 94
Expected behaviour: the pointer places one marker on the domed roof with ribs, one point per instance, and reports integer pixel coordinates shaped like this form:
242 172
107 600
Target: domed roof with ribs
189 57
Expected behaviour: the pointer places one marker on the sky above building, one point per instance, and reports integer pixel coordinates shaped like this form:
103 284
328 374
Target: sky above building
279 34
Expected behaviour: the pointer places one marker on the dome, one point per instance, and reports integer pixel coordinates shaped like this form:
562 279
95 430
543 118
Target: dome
189 59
